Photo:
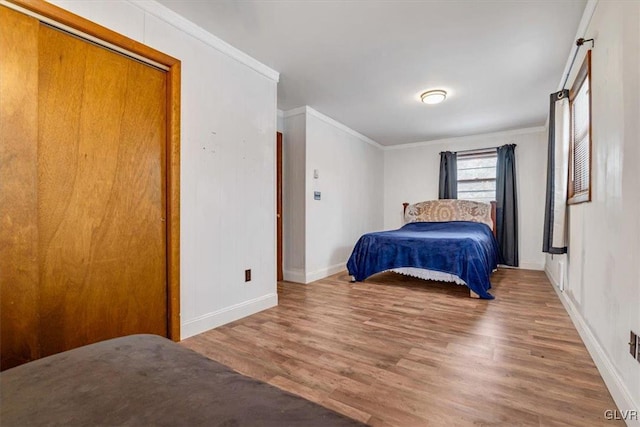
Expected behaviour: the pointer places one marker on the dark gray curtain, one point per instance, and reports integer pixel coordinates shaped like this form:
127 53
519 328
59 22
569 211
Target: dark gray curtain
507 205
554 238
448 176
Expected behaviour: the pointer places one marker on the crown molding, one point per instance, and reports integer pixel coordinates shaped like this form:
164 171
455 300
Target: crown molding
167 15
315 113
513 132
342 127
310 111
294 112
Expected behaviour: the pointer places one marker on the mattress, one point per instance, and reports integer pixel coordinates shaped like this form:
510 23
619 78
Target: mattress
464 249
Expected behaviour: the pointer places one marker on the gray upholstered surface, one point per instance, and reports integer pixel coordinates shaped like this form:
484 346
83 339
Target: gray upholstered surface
145 380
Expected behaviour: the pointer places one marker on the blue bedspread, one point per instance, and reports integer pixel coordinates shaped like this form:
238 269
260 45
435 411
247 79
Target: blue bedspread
466 249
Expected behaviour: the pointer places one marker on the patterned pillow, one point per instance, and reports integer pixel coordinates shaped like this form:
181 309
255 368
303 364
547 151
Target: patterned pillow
449 210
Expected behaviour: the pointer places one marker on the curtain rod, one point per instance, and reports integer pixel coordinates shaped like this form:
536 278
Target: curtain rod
477 150
579 43
486 150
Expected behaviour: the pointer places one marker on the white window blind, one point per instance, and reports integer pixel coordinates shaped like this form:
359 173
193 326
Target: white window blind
581 141
477 176
580 152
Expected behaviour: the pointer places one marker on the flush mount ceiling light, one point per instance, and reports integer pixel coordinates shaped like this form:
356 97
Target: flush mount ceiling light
433 96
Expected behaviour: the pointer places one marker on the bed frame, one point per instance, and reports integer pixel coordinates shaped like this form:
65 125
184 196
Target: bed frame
472 294
405 205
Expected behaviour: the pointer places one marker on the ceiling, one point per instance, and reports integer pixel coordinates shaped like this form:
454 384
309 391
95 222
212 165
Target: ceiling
365 63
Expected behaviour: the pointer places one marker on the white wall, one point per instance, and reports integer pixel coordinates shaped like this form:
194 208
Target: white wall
411 175
280 122
293 202
227 161
602 283
351 182
350 168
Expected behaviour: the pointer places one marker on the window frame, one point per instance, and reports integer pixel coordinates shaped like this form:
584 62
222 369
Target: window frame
471 154
583 75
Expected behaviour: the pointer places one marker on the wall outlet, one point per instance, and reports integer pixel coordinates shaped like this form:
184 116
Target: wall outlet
316 195
633 345
247 275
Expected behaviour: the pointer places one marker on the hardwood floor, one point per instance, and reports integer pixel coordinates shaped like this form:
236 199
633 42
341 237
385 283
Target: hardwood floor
398 351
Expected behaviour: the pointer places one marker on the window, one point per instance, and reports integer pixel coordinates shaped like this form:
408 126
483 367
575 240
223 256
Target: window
580 151
477 175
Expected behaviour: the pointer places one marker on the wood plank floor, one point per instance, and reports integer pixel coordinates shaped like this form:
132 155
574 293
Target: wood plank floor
398 351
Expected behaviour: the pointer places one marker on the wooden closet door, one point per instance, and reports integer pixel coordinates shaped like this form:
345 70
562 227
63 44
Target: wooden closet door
83 245
19 290
101 194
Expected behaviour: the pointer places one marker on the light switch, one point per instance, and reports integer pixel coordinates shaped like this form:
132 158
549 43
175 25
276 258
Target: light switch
316 174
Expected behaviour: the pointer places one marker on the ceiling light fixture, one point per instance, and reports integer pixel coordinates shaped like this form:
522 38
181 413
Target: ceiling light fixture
433 96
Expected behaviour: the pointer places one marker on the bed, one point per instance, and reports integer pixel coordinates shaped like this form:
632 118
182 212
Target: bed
144 380
444 240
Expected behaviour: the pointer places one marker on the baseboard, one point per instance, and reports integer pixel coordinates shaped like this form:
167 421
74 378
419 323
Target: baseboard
294 275
531 266
228 314
620 393
325 272
555 281
524 266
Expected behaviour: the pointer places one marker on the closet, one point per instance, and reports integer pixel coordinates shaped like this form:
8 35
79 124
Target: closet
88 188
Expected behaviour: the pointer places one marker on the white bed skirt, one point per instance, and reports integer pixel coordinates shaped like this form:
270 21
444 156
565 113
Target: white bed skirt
422 273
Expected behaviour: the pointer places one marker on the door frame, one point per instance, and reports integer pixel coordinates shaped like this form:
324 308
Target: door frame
41 9
279 273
